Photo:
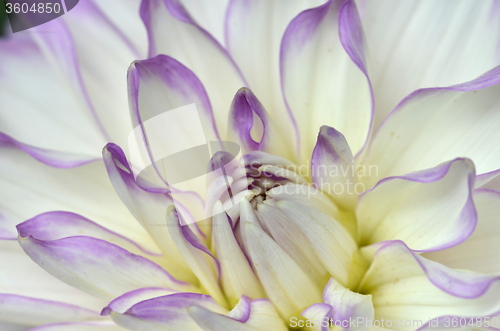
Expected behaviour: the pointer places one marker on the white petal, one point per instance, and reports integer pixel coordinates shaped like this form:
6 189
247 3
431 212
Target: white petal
209 15
237 277
58 224
331 242
284 173
434 125
320 81
348 305
192 46
98 267
126 20
210 321
197 256
264 316
419 44
254 30
405 286
290 237
25 278
248 114
149 209
332 167
429 210
317 315
305 194
13 327
286 284
31 311
493 182
159 84
127 300
107 38
43 102
166 313
80 326
260 315
480 251
84 190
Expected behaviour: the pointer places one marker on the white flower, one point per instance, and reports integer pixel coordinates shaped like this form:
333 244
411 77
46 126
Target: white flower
389 216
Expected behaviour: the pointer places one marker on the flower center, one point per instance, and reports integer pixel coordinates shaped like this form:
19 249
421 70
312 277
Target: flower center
261 183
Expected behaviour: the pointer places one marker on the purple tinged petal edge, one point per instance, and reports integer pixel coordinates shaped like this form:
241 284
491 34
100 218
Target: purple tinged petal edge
488 79
177 10
468 214
39 227
459 288
352 39
56 159
6 297
318 13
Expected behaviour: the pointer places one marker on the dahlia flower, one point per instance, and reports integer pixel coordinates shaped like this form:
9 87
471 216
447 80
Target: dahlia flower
370 142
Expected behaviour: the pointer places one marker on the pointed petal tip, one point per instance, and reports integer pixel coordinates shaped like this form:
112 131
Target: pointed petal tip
106 311
243 91
326 130
328 135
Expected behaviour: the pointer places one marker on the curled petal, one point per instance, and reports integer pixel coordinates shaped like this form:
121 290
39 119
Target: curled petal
341 306
406 286
241 311
192 45
318 312
263 23
156 87
162 83
210 321
245 110
264 316
430 209
480 251
257 315
347 305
